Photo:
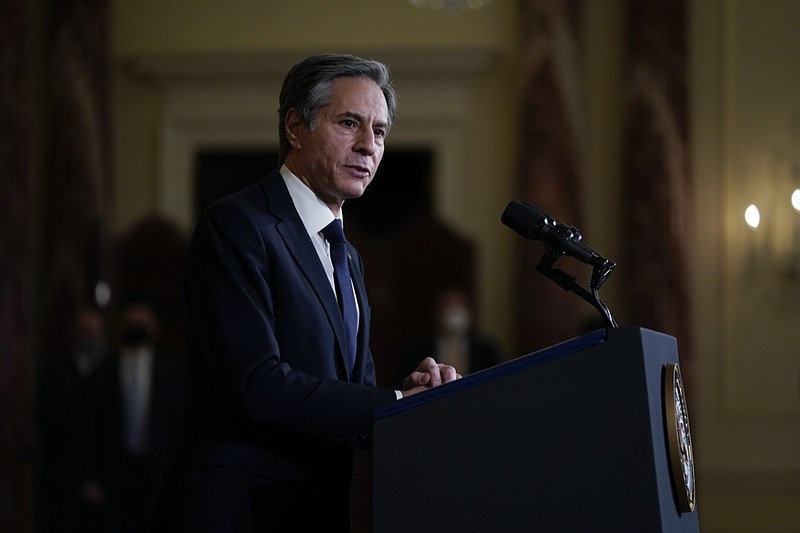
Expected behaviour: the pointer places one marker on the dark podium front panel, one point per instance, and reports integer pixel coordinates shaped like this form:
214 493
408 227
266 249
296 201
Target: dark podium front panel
571 438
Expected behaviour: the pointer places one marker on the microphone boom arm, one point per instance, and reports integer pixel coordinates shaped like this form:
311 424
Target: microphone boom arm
561 239
601 269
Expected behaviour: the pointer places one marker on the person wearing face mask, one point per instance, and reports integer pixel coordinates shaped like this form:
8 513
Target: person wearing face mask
137 397
71 499
456 341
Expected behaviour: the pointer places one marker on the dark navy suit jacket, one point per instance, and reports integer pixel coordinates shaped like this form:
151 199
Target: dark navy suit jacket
273 414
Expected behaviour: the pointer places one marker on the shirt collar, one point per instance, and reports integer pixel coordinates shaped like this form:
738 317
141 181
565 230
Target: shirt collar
313 211
140 355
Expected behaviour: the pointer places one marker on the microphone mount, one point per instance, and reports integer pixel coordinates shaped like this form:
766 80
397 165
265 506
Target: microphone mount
560 240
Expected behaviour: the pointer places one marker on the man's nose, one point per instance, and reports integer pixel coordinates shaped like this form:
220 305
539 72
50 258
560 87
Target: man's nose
365 143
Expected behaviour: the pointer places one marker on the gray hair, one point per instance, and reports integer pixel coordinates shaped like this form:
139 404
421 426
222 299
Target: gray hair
307 88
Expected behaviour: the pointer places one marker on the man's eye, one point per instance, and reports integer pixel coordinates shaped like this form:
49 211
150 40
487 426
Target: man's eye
349 123
379 133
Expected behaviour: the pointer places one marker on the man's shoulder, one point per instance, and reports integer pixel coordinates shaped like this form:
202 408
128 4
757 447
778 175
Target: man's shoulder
260 201
255 196
249 217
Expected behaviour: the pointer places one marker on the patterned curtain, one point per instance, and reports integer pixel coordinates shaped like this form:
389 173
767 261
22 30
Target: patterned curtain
656 169
549 173
17 259
77 167
54 171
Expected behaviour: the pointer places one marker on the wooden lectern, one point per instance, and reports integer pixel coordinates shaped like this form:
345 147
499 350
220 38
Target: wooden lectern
576 437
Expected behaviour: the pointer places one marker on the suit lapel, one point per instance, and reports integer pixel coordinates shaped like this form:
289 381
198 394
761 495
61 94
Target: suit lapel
301 248
363 328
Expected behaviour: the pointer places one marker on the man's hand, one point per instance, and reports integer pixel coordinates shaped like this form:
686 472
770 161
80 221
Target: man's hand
428 374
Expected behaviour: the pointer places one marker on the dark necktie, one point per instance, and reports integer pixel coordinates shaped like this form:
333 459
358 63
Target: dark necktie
334 233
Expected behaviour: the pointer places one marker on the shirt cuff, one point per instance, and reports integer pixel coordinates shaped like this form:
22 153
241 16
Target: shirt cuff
399 394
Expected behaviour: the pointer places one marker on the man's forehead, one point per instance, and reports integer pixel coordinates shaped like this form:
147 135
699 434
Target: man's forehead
358 96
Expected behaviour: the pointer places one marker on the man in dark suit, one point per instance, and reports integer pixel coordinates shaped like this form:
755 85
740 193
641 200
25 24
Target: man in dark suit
137 397
281 379
72 498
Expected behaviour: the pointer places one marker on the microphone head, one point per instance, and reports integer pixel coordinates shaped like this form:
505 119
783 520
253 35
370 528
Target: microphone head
525 219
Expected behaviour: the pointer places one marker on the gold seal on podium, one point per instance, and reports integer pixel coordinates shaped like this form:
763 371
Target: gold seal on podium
679 438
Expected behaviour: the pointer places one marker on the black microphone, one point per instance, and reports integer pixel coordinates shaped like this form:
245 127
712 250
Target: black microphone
532 223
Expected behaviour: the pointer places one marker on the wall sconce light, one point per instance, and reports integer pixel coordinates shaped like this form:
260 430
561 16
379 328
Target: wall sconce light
752 216
773 221
777 244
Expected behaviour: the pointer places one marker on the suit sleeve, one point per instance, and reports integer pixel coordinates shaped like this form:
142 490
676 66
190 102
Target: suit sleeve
230 279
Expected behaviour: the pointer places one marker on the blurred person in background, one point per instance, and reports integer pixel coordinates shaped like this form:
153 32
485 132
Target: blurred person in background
72 498
456 340
137 399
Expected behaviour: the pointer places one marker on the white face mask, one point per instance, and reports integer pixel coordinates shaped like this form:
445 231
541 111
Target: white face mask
456 320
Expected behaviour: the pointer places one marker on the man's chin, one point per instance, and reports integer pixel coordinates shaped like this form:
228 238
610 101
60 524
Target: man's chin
355 190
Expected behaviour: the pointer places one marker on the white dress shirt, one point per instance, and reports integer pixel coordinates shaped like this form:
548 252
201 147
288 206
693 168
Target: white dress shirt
315 216
136 379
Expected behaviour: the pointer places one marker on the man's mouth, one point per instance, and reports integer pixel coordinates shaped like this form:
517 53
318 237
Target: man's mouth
360 171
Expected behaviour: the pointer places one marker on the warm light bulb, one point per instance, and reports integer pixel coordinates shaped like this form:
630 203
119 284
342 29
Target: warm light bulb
752 216
796 199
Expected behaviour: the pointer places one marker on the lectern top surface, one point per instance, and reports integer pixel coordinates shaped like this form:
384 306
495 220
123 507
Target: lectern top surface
509 367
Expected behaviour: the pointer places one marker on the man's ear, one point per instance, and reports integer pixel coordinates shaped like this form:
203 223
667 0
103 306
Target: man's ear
294 127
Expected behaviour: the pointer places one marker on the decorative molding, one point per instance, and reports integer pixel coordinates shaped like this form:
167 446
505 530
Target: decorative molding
744 435
271 65
231 101
747 392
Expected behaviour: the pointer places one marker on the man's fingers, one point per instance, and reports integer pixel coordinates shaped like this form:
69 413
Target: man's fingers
448 373
429 373
421 378
427 364
431 368
416 379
